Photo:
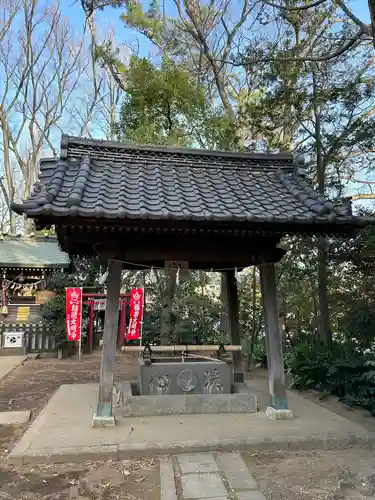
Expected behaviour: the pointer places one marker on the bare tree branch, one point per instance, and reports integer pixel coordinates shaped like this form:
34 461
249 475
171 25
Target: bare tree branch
40 66
295 8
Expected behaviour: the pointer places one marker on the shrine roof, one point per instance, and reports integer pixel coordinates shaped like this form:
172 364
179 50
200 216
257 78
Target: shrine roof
32 252
109 180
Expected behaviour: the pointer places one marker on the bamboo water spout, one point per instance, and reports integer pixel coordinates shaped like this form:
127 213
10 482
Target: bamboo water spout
182 348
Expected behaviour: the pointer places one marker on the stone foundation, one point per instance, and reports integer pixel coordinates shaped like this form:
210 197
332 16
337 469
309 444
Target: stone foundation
138 406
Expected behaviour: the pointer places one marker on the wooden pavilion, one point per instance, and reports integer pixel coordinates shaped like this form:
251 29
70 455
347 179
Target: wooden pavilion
140 206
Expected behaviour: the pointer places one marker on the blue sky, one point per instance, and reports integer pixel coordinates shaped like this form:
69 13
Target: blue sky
111 16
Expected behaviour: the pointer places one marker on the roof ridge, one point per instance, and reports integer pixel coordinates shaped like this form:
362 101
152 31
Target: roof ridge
304 192
67 141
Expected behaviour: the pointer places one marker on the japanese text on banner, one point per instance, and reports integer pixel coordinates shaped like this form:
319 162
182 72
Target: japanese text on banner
73 313
136 314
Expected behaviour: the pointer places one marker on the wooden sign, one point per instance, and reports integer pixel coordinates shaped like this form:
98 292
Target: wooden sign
174 265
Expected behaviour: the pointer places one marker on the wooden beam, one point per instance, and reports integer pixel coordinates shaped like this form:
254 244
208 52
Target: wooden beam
180 348
104 412
276 374
232 305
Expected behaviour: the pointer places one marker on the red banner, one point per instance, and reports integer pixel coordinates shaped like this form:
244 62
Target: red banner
73 313
136 314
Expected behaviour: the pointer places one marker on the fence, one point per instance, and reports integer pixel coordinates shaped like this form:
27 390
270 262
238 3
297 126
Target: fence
36 337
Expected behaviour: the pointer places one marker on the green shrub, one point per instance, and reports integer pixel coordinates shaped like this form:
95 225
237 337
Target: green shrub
338 369
53 314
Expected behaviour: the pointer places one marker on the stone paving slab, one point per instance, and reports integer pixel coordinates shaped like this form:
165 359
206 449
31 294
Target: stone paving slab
66 419
250 495
195 486
234 482
236 471
14 417
167 481
191 463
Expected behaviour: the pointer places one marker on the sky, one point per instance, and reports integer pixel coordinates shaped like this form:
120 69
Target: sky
110 17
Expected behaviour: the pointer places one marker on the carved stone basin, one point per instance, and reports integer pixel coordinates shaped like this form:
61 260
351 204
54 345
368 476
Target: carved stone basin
184 375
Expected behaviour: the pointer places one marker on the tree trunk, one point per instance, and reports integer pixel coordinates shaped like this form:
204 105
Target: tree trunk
231 294
254 328
324 328
224 324
166 308
9 193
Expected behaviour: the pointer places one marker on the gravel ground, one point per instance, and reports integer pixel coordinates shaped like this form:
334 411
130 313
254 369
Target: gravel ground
29 387
319 475
127 479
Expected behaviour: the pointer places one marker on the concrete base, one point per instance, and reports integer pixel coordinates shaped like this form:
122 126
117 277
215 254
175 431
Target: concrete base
14 417
67 416
243 401
98 421
9 363
274 414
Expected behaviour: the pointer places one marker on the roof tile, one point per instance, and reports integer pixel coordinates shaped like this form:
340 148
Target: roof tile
112 180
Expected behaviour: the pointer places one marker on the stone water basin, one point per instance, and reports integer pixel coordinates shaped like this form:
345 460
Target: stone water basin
184 375
184 385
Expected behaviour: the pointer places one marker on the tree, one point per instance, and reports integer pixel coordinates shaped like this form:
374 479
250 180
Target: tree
41 63
271 91
326 112
164 105
354 32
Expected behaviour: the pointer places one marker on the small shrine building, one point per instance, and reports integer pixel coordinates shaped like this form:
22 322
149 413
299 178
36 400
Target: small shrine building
25 263
137 206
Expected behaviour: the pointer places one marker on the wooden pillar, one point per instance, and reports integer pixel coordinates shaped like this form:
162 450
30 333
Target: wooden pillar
231 297
104 413
276 374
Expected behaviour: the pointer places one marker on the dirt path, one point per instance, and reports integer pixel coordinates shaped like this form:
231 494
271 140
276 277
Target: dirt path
127 479
29 387
319 475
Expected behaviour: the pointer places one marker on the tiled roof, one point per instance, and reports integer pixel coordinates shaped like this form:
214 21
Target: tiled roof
31 252
108 180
